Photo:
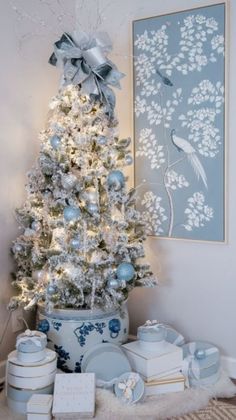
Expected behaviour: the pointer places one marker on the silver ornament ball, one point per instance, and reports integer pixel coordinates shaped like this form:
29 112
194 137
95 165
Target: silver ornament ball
55 142
113 284
51 289
101 140
128 160
71 213
68 181
92 208
75 243
17 248
36 226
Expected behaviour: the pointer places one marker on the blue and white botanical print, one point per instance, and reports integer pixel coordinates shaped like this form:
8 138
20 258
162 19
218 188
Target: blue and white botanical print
179 122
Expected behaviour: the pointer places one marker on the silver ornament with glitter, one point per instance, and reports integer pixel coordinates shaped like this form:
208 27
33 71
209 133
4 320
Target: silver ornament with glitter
68 181
36 226
55 142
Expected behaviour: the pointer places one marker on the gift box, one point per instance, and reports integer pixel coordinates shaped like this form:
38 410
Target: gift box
24 380
166 384
201 363
74 396
39 407
129 388
31 341
151 363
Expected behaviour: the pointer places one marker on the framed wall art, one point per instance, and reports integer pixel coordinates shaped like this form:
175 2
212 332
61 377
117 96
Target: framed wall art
179 122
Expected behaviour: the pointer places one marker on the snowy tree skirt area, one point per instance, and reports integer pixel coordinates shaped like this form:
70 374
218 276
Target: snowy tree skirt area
179 122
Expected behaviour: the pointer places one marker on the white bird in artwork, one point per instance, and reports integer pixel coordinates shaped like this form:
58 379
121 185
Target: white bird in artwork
184 146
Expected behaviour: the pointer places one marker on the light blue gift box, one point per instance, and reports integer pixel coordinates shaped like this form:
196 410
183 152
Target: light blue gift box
203 361
173 336
31 344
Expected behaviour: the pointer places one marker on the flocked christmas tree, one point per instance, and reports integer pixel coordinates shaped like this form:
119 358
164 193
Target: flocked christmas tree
82 237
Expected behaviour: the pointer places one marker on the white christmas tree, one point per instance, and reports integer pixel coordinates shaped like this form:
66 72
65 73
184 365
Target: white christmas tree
82 237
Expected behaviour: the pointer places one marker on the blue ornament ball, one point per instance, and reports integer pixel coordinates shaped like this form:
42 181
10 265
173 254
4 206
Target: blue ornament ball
55 142
75 243
51 289
113 284
92 208
200 354
116 179
71 213
125 271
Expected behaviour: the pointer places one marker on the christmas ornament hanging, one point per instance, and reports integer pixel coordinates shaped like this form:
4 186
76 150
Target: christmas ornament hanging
71 213
125 271
36 226
128 160
113 284
92 208
89 195
101 140
75 243
55 142
51 289
116 180
68 181
17 248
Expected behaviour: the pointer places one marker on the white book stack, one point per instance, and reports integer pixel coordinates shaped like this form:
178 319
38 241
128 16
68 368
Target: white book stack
31 369
156 360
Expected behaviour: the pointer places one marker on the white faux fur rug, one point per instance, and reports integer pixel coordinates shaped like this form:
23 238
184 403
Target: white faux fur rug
167 406
161 407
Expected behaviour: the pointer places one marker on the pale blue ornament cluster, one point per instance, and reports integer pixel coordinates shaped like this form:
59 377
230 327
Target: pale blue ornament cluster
71 213
125 271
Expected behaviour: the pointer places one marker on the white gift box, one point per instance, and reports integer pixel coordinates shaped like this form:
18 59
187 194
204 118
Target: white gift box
153 363
31 357
74 396
39 407
165 385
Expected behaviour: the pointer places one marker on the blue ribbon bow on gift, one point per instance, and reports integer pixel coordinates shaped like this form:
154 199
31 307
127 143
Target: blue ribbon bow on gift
84 61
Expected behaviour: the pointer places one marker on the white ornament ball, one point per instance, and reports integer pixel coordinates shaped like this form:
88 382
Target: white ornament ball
17 248
39 275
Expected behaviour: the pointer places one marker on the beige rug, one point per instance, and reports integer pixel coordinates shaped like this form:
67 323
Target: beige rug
216 410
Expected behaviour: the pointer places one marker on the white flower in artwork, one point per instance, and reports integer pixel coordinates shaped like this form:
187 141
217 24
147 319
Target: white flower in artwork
212 24
174 180
217 43
139 106
154 214
148 147
197 212
143 41
200 19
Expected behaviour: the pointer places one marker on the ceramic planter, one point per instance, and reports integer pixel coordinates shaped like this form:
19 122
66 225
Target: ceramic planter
72 332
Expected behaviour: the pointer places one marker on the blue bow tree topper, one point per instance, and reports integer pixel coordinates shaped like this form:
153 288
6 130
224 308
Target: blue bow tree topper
84 61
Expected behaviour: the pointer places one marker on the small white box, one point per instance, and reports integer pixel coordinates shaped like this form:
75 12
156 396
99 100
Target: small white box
39 404
74 396
34 416
151 364
165 385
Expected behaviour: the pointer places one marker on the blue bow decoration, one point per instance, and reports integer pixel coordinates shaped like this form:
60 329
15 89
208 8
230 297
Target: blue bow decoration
85 63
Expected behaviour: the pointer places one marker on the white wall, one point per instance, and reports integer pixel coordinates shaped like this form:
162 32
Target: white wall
197 291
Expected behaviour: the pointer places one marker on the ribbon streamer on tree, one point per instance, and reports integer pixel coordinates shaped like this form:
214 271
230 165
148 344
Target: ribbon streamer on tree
84 62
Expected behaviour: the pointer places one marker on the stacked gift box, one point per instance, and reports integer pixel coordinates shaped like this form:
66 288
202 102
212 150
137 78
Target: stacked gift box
158 361
31 369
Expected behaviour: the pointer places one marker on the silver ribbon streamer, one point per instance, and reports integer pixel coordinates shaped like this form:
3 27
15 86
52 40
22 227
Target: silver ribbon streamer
84 62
